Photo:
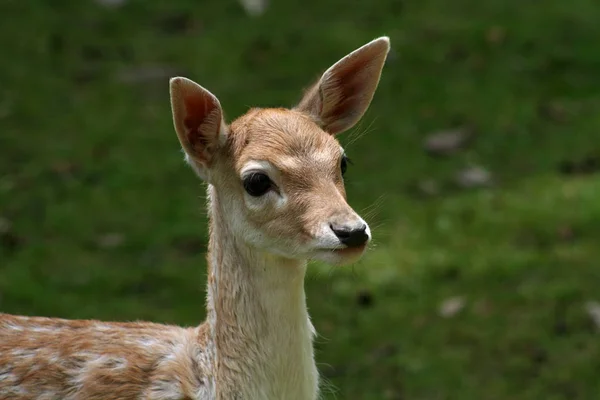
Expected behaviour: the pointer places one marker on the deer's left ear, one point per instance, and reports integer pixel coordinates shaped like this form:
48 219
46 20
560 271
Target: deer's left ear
343 94
198 119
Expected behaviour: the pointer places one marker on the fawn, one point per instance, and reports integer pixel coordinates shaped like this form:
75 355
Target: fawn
276 199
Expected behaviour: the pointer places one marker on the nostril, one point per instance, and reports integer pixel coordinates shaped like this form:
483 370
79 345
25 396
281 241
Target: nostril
341 232
351 237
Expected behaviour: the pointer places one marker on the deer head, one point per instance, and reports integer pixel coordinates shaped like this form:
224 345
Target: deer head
278 173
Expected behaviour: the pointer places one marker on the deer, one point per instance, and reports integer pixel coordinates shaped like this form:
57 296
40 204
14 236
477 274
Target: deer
276 200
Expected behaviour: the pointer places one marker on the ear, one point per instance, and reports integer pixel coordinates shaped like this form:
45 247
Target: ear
343 94
198 119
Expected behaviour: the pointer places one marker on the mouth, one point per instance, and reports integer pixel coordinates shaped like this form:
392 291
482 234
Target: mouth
348 251
344 252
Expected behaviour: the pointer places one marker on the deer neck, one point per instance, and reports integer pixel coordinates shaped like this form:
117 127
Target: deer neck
261 335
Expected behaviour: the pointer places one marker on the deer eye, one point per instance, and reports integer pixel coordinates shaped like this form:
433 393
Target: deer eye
344 164
257 184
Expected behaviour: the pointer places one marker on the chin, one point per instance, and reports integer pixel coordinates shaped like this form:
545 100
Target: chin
339 257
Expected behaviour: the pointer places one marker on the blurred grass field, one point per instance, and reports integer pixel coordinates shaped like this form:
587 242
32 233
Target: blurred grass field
100 218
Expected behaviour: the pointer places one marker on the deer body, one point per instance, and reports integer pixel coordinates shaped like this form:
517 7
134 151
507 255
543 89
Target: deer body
52 359
276 200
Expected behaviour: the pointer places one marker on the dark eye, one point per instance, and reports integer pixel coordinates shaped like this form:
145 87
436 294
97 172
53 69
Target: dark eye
257 184
344 164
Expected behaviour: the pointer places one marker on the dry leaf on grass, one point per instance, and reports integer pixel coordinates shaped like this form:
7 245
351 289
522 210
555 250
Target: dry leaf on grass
255 8
451 306
111 240
473 177
593 310
448 142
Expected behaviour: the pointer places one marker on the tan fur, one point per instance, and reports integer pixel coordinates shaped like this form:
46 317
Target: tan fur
44 358
257 340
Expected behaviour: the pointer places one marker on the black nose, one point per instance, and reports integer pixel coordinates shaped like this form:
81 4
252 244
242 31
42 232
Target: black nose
351 236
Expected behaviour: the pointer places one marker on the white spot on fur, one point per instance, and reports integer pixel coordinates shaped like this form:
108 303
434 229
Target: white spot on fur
23 354
53 359
13 327
148 342
6 374
14 391
104 327
41 329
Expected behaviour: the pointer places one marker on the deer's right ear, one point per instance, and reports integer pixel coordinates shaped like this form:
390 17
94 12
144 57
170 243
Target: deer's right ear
343 94
198 119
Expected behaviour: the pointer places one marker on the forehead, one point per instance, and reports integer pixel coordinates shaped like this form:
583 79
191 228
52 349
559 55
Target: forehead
285 138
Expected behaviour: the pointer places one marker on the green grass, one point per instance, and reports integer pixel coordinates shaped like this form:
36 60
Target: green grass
84 155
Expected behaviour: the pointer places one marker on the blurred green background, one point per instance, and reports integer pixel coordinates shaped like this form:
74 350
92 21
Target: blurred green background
476 165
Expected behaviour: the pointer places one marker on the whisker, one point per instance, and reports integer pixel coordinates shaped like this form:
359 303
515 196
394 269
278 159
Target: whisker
359 132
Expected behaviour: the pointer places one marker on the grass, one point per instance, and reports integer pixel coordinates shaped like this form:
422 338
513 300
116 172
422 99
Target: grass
101 218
